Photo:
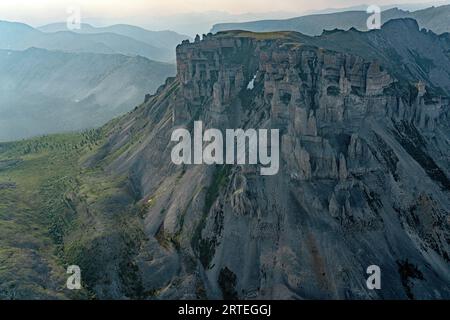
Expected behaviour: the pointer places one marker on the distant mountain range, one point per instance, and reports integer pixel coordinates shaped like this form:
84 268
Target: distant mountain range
55 80
119 39
45 91
193 23
162 39
363 7
436 19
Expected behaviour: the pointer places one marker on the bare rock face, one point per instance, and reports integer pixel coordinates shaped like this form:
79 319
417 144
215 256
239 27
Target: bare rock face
363 178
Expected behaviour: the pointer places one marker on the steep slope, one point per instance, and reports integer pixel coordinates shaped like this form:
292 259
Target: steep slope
364 175
37 181
46 91
161 39
401 48
17 36
434 18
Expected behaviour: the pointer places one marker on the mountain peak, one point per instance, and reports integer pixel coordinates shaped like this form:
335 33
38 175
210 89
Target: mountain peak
403 23
16 25
434 18
355 150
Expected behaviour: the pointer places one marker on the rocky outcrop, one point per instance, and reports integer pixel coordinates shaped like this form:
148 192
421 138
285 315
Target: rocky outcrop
358 185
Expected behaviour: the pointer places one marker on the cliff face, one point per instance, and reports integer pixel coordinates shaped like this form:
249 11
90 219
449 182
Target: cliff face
363 178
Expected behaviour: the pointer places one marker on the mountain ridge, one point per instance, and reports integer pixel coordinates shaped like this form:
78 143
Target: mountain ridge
19 36
52 91
163 39
364 176
433 18
350 131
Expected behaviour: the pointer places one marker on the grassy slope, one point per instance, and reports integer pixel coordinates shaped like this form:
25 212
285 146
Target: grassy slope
34 214
52 214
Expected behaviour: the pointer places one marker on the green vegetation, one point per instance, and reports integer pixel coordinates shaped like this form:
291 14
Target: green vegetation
205 248
36 212
220 180
409 272
56 212
227 282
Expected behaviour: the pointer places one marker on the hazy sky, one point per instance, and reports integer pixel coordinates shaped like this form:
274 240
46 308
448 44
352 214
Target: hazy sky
53 9
164 14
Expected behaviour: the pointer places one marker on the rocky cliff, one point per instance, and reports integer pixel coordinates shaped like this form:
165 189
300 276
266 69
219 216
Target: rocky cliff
364 177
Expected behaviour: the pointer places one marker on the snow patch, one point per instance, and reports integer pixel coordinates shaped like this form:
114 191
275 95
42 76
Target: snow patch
251 84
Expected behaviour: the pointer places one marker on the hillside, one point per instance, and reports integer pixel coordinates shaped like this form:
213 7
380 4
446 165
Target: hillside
363 180
18 36
161 39
45 92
